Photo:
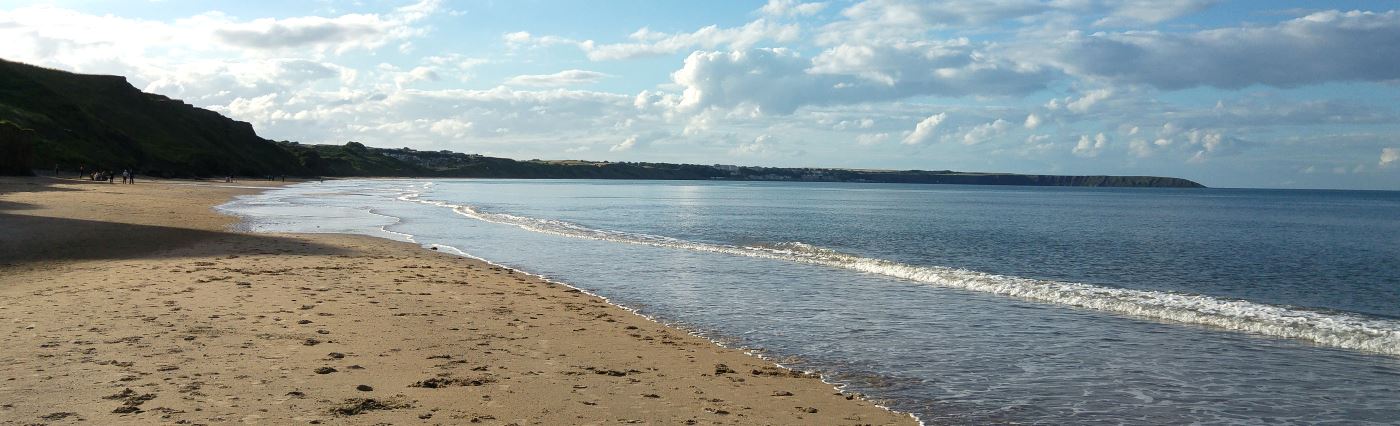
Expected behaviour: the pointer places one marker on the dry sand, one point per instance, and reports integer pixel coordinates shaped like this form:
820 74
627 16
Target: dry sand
133 304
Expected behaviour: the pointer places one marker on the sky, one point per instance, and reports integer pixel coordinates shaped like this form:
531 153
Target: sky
1270 94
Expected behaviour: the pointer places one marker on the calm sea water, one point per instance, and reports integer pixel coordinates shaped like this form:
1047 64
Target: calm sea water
959 303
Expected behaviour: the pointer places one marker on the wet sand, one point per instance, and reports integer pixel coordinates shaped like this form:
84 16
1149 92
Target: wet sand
134 304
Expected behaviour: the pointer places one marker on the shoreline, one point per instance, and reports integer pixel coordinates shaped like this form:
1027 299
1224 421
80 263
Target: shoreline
838 387
619 368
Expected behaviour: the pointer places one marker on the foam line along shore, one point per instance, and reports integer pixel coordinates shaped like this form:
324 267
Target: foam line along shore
1334 329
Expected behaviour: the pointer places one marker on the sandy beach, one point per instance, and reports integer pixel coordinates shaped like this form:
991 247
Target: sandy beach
136 304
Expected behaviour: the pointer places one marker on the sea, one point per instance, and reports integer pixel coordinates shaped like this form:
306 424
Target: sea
957 304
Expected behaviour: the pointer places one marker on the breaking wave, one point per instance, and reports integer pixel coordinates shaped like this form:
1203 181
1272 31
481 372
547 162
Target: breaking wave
1323 328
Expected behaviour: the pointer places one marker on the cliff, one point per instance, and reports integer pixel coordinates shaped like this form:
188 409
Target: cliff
102 122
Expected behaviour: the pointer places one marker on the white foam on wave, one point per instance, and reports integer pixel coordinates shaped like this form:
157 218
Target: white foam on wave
295 212
1338 330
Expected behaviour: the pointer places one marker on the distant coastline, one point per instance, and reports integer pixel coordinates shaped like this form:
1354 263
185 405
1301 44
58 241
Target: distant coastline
356 160
67 122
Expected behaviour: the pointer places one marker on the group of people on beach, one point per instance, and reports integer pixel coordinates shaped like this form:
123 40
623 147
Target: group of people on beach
128 176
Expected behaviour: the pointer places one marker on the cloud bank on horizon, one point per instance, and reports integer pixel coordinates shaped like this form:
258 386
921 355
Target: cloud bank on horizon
1269 94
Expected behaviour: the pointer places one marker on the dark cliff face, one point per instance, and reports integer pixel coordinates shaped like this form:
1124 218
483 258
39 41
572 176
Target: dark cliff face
102 122
16 150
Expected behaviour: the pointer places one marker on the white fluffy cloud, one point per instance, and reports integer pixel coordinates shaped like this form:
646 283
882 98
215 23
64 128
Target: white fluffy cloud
1084 103
770 80
761 146
558 79
1206 143
626 144
1127 12
1032 121
778 81
646 42
1317 48
1141 148
784 8
1090 147
986 131
1389 156
872 138
637 141
415 75
905 68
451 127
344 31
255 57
217 82
924 131
341 33
67 39
650 43
886 20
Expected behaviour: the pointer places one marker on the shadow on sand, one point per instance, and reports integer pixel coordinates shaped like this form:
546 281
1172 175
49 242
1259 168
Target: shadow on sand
39 184
29 239
7 206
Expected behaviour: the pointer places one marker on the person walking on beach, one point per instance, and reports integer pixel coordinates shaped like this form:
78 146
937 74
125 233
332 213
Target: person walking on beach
131 178
125 174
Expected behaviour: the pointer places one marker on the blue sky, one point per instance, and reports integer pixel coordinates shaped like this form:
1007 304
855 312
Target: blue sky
1287 94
